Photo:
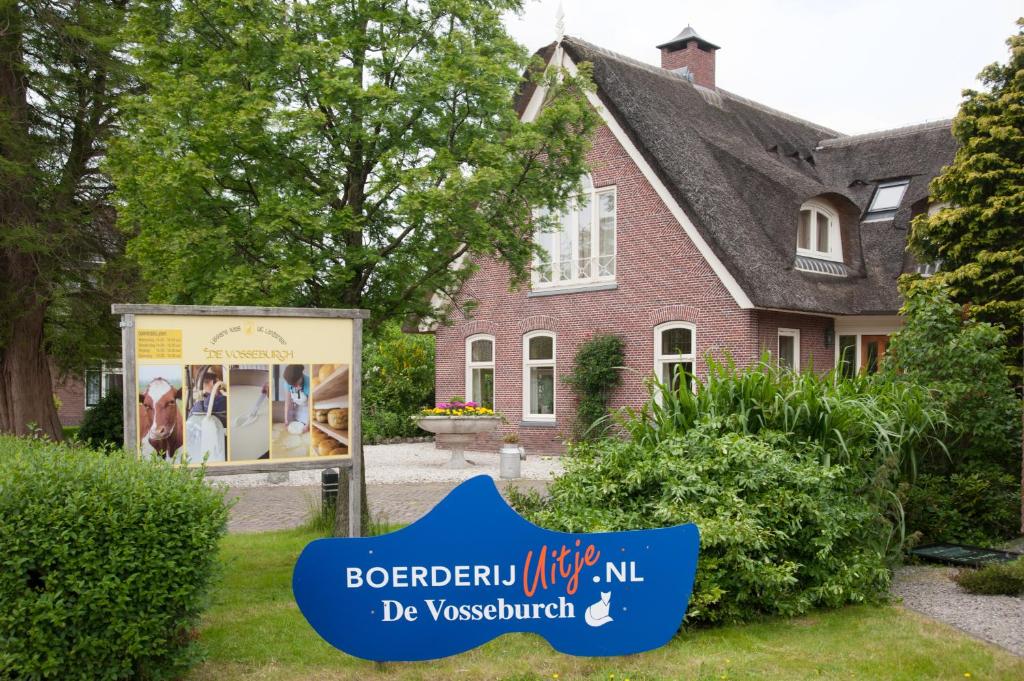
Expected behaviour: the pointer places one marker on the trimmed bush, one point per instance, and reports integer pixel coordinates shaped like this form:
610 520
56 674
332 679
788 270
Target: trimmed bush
780 533
106 563
1006 579
103 423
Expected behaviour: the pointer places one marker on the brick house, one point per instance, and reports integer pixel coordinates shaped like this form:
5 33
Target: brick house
709 224
76 394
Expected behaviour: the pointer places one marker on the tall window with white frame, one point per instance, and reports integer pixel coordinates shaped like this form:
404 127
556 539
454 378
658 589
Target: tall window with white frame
675 347
480 370
582 251
817 233
789 349
539 376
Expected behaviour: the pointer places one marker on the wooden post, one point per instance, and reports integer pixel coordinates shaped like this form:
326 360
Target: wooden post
355 497
129 386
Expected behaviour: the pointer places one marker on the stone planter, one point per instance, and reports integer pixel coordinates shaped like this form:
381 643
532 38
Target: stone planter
458 431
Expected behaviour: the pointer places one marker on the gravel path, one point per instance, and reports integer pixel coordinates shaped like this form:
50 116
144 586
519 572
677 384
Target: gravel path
405 463
260 509
403 482
930 591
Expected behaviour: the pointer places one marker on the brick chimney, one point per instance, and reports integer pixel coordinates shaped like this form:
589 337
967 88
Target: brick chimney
690 52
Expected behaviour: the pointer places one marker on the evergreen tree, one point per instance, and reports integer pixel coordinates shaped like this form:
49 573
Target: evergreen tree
60 267
978 234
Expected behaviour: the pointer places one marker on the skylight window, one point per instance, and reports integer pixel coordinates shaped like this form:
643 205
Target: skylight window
888 196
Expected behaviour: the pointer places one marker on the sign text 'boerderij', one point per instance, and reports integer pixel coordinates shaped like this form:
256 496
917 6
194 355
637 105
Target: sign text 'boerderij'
473 569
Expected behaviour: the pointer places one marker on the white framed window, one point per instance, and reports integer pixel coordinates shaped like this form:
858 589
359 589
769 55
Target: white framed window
480 369
817 233
789 349
675 352
888 196
539 376
102 380
582 251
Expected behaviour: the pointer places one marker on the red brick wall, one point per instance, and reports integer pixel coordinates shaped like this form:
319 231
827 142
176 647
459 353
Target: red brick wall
813 351
700 62
660 276
71 393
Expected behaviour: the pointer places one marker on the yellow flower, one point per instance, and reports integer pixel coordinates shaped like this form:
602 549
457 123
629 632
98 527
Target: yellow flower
967 674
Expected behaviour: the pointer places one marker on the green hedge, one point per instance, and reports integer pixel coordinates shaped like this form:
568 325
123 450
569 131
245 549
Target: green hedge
106 563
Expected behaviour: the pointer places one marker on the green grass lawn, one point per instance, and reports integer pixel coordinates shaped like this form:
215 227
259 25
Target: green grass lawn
254 630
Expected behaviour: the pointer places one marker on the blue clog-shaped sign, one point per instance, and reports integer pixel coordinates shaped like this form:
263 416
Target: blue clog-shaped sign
473 569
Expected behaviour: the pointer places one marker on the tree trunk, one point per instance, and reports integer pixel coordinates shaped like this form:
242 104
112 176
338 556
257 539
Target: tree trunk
26 384
26 388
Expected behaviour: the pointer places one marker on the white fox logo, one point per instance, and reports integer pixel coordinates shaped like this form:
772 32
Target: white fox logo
597 614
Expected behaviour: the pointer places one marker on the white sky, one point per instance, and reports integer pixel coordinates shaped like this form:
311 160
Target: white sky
852 66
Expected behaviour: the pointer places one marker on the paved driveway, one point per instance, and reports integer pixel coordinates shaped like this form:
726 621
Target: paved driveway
281 507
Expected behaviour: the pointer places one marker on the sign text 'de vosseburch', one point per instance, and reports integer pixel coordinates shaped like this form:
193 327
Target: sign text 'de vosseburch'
473 569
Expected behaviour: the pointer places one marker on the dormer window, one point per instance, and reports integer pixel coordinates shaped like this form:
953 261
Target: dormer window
886 200
818 232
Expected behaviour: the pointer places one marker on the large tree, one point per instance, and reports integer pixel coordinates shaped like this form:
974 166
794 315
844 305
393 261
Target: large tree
358 153
60 74
337 153
978 236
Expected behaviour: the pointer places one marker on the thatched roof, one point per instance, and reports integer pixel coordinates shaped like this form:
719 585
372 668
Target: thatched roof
741 171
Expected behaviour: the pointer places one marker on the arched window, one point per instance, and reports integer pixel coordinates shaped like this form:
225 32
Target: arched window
539 376
480 369
582 249
817 233
675 350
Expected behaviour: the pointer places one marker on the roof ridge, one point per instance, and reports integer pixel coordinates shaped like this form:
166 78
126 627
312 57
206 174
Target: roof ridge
651 68
777 112
665 73
889 133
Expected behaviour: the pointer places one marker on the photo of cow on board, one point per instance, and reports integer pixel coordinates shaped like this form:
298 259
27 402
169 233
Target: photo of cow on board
161 422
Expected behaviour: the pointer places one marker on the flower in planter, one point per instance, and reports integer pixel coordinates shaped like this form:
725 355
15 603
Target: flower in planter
457 408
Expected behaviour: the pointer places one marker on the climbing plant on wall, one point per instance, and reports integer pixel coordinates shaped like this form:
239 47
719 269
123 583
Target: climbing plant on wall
596 372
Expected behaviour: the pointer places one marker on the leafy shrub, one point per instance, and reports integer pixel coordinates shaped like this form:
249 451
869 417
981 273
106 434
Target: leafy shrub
972 494
962 362
106 563
866 421
103 424
790 477
398 380
1000 578
780 533
978 506
595 373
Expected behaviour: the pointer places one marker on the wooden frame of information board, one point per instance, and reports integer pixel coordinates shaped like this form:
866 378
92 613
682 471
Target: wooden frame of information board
271 337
